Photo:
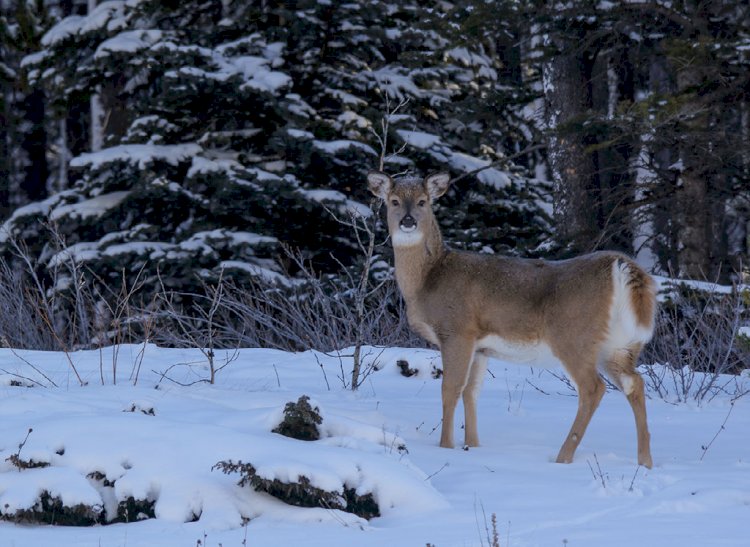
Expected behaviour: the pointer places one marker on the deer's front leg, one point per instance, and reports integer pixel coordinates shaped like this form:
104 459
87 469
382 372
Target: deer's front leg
471 394
457 353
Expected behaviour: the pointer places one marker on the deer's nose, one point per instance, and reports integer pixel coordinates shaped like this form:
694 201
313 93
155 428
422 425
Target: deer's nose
408 223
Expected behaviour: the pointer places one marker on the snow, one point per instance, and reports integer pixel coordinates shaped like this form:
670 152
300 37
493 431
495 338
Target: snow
249 238
677 166
300 134
205 166
33 59
265 274
252 69
457 160
262 175
334 147
82 251
235 238
258 76
299 107
345 98
418 139
158 430
154 249
21 491
335 197
62 30
105 15
394 83
480 63
666 285
129 41
351 118
140 154
489 176
94 207
36 208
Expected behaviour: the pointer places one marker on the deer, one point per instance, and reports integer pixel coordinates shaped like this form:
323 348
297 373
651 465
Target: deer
591 314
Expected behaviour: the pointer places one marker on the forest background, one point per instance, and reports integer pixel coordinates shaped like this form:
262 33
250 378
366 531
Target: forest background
194 172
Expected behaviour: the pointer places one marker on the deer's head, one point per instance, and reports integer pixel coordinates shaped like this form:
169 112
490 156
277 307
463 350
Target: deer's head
409 204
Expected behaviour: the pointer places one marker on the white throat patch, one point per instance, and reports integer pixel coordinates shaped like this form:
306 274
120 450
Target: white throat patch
401 238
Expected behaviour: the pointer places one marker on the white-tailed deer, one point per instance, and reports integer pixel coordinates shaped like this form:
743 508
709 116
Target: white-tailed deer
591 313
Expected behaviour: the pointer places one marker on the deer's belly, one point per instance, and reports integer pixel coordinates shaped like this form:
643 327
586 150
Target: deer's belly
536 354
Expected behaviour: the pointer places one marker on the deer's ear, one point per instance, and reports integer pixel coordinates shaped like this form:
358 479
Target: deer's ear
437 184
379 184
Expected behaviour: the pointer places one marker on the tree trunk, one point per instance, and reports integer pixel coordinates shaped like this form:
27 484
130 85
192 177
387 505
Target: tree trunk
694 213
63 155
695 226
4 156
567 99
644 235
613 84
34 144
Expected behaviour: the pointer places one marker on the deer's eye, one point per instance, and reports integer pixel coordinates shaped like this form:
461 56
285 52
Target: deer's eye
394 202
422 203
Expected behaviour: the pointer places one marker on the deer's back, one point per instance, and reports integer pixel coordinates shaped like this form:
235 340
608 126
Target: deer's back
522 300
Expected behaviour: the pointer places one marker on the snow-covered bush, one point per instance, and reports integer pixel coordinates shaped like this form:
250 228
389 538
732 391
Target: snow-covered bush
301 492
301 420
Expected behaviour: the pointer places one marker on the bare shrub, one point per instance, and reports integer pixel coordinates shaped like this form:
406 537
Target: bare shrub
696 341
68 307
21 324
320 314
75 310
314 312
193 321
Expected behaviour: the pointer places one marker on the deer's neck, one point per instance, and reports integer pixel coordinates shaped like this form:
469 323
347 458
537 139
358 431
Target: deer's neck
414 262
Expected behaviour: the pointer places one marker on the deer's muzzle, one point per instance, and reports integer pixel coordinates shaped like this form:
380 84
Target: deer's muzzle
408 223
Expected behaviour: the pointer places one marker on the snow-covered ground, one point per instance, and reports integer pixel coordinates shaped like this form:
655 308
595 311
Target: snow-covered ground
158 440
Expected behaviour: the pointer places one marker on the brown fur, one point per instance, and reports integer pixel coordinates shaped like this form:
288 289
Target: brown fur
456 299
642 296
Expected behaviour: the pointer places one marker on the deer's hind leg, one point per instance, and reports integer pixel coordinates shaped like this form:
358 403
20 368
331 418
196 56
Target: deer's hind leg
591 389
470 396
621 369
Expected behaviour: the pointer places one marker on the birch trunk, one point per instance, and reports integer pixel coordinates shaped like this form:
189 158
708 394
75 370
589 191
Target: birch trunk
97 112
